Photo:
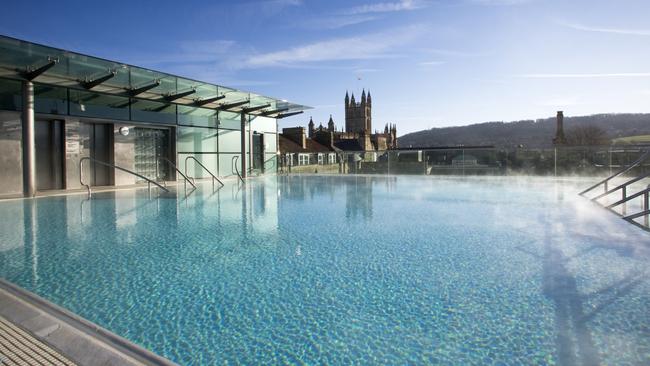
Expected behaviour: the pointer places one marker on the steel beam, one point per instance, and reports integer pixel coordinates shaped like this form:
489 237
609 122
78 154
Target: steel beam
284 115
275 111
141 89
89 84
231 105
256 108
171 97
201 102
31 73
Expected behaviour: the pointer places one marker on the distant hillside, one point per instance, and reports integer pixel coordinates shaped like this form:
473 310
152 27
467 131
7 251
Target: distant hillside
531 134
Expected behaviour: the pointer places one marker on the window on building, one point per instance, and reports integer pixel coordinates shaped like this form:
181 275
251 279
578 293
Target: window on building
321 158
303 159
331 158
289 159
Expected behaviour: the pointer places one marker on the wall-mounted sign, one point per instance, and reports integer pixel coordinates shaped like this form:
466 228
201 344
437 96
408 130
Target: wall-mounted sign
124 131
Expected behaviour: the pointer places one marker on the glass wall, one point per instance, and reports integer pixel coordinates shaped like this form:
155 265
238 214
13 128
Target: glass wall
88 104
212 137
150 111
10 95
50 99
194 116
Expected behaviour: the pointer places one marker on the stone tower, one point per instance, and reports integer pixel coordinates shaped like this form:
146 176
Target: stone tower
358 115
559 131
330 124
311 127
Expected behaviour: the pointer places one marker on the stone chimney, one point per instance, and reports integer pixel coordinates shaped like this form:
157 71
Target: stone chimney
559 130
296 134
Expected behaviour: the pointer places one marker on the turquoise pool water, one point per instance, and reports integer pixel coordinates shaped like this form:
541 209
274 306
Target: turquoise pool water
345 270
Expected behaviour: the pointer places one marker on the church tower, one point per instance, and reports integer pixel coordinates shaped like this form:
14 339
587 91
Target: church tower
311 127
358 115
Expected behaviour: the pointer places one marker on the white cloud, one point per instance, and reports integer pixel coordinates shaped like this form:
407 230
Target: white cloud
335 22
431 63
500 2
635 32
586 76
387 7
378 45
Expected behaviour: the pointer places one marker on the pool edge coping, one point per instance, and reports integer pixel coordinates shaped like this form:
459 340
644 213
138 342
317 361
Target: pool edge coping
90 329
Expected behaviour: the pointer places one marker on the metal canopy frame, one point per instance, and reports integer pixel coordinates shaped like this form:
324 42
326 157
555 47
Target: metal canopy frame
21 59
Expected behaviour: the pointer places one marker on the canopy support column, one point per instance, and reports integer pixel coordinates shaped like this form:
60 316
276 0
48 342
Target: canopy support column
28 141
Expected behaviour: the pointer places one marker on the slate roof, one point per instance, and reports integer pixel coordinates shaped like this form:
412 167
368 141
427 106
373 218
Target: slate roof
289 146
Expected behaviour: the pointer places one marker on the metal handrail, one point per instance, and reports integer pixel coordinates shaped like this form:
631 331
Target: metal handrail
627 198
175 168
234 168
251 169
622 186
214 177
149 181
619 173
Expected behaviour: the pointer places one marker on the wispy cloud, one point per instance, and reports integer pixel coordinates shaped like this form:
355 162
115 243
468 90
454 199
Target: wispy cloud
371 46
387 7
634 32
500 2
586 76
338 21
453 53
431 63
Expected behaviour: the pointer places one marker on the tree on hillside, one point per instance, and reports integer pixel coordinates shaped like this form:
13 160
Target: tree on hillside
586 135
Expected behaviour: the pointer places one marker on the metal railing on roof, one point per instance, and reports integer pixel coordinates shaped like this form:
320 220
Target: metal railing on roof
214 177
185 181
625 198
149 181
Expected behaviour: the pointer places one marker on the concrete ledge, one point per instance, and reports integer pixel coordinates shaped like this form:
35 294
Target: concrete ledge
76 338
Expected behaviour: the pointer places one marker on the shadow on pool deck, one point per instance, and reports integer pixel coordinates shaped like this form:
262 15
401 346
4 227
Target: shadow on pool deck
574 341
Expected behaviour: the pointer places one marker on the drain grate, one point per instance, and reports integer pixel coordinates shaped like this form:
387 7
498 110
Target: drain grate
20 348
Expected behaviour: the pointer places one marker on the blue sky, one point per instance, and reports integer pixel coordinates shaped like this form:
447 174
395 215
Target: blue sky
427 63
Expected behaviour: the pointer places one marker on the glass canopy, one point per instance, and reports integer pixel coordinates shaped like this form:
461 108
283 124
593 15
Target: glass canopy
47 65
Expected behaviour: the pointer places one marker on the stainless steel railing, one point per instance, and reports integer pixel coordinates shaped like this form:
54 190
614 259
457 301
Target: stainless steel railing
625 198
605 181
186 180
214 177
81 161
235 169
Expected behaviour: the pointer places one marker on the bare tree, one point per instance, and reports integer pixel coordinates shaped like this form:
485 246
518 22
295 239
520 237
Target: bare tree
588 135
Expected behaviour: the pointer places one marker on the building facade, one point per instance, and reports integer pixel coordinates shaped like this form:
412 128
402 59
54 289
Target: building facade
68 119
357 136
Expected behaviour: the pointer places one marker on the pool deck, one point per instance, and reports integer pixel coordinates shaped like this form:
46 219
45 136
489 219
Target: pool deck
33 329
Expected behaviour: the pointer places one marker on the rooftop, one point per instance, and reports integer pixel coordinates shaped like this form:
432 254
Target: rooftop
30 61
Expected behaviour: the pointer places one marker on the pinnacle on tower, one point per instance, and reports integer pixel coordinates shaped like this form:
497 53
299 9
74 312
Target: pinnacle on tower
347 99
369 100
363 96
352 101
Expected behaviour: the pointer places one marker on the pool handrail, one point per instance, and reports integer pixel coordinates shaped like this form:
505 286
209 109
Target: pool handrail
605 181
234 169
149 181
214 177
171 163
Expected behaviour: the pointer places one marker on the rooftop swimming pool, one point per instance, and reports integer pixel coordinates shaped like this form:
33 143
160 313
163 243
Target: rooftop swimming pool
344 270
